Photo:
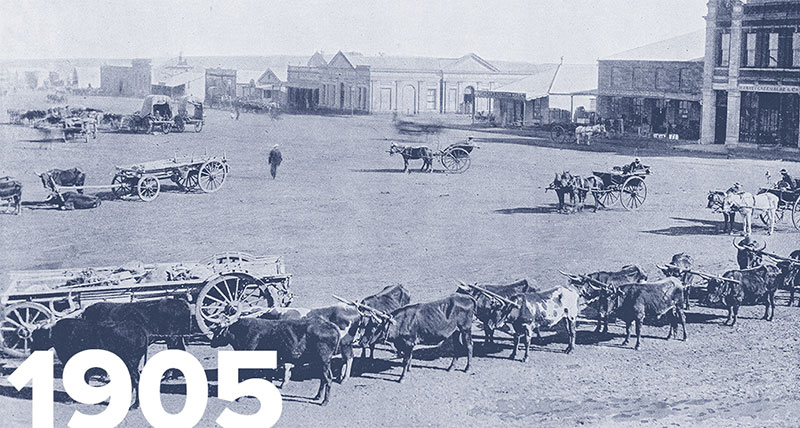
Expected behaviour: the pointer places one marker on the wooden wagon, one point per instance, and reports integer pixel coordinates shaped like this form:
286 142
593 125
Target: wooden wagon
207 173
220 287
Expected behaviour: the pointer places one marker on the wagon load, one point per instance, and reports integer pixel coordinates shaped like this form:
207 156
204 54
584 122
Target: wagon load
220 288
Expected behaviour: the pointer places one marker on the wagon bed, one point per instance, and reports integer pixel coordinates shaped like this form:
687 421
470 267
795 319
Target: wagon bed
224 285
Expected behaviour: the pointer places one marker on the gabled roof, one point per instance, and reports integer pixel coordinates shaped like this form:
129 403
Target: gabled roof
575 79
470 62
686 47
340 61
245 76
533 86
317 60
269 76
564 79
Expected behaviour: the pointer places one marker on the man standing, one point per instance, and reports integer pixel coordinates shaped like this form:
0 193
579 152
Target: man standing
275 159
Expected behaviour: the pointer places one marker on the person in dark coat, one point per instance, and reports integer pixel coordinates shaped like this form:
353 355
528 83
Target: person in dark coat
786 181
275 160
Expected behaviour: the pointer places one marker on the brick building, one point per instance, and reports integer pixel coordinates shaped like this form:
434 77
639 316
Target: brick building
407 85
220 86
655 90
133 81
751 80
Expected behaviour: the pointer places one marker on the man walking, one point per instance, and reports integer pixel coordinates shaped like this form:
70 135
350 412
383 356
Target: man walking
275 160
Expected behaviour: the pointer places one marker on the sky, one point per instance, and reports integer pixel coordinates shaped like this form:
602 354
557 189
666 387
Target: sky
519 30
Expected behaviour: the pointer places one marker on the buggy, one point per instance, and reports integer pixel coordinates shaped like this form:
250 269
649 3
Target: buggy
788 201
232 284
627 187
156 112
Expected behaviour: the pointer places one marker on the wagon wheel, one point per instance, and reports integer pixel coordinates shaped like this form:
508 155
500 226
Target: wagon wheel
607 198
19 322
796 213
166 127
122 186
147 125
778 217
633 193
188 182
229 257
557 133
211 176
198 126
226 297
148 188
456 160
180 126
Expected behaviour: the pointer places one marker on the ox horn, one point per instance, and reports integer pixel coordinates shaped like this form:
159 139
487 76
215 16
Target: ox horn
763 246
739 247
570 276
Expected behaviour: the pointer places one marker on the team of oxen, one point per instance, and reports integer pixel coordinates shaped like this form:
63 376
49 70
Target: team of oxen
11 190
314 337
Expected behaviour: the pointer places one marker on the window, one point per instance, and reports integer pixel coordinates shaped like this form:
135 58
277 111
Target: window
643 78
662 79
724 50
750 50
621 77
796 50
431 99
773 50
683 109
638 107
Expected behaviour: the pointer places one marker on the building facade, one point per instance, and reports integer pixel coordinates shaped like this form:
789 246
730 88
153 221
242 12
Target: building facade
220 86
751 80
133 81
406 85
654 90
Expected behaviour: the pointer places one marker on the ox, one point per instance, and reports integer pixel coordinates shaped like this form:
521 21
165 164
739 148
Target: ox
590 287
748 253
388 300
647 301
310 340
63 177
535 310
11 192
411 153
344 317
491 310
680 267
431 324
790 273
749 287
69 336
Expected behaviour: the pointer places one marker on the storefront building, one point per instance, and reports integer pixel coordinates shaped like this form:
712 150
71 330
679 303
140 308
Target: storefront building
751 77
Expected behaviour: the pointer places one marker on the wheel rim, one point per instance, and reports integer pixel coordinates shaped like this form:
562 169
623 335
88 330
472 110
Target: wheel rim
123 186
165 128
608 198
460 160
188 182
796 213
19 322
148 188
211 176
226 297
633 194
198 126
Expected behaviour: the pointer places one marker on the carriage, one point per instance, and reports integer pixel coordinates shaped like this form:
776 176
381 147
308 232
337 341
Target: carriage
455 157
77 127
142 180
628 188
788 201
156 112
407 127
232 284
190 113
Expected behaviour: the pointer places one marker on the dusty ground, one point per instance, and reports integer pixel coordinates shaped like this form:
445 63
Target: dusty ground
348 222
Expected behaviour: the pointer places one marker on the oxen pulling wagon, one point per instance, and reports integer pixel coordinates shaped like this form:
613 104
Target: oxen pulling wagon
788 200
626 187
222 286
142 180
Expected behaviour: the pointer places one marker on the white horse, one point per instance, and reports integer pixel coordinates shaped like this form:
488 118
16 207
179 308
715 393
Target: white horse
586 132
747 203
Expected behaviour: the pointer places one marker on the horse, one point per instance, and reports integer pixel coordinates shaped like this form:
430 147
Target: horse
716 200
414 152
746 203
576 187
586 132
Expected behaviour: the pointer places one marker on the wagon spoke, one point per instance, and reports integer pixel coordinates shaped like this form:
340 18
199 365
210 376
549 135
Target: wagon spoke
217 300
8 329
227 289
13 322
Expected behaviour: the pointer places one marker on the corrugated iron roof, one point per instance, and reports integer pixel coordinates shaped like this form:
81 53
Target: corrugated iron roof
686 47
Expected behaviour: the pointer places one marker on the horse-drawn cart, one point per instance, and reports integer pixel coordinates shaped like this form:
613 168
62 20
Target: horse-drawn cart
627 188
788 200
455 157
222 286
